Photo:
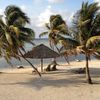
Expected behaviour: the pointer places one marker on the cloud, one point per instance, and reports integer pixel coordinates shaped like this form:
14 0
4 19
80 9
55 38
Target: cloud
38 22
37 1
50 1
55 1
2 15
45 15
67 16
23 7
97 1
1 12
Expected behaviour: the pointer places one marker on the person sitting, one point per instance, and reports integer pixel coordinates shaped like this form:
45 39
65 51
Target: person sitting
52 66
48 68
54 63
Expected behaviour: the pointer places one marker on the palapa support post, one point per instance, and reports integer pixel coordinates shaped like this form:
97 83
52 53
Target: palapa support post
41 65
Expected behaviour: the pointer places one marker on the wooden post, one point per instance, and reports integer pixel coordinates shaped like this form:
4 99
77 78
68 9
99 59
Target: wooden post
41 65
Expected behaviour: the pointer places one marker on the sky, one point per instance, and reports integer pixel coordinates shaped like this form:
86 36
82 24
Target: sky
39 11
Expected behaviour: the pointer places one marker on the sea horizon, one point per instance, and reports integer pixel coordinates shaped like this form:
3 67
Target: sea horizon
36 62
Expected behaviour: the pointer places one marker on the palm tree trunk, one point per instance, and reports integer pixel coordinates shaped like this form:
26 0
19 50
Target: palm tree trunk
29 63
87 70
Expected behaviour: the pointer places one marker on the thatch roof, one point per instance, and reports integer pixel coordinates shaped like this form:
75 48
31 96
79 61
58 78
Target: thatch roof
41 51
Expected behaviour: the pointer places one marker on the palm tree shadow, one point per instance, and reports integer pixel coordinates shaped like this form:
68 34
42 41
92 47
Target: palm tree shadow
58 80
49 81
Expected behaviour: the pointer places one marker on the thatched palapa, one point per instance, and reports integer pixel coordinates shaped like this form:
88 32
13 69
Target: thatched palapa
41 52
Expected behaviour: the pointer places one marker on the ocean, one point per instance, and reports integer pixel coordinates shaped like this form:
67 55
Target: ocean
36 62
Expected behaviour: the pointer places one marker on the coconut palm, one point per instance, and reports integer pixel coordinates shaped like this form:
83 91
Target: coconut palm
14 34
56 28
88 24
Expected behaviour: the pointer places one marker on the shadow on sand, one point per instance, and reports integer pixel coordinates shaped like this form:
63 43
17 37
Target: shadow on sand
58 79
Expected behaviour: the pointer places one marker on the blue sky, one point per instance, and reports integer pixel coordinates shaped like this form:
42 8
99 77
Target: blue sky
39 11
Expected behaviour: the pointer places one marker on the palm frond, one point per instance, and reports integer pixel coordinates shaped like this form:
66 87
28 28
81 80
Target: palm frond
83 23
42 34
15 30
47 26
8 37
28 32
62 29
68 41
15 15
93 42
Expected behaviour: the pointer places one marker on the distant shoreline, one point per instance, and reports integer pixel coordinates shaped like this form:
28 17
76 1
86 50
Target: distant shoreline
40 39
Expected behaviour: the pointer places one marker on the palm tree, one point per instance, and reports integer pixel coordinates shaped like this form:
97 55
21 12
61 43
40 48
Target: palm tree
56 28
14 34
88 23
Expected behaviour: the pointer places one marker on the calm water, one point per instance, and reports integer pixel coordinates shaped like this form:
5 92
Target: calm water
37 42
36 62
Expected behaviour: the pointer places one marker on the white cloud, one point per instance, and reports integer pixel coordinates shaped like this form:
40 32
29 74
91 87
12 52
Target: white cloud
2 15
38 22
45 15
97 1
23 7
37 1
67 16
1 11
50 1
71 17
55 1
34 25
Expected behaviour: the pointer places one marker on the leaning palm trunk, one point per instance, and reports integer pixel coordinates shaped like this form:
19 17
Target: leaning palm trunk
30 63
87 70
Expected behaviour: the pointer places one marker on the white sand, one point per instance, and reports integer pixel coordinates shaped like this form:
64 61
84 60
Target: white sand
21 84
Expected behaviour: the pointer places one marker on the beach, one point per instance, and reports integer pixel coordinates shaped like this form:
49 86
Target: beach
50 50
22 84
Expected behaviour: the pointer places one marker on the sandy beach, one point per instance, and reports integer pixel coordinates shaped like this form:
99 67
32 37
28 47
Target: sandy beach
22 84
